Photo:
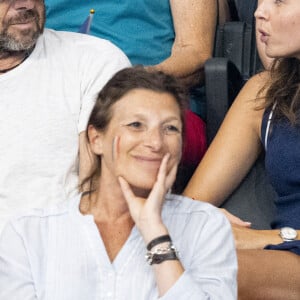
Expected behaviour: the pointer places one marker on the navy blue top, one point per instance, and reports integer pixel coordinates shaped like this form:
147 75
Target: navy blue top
282 162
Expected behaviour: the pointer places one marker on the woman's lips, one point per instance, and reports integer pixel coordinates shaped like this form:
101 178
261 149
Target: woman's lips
263 36
152 161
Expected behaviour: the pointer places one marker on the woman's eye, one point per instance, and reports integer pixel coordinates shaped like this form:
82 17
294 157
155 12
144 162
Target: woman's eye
171 129
278 1
136 125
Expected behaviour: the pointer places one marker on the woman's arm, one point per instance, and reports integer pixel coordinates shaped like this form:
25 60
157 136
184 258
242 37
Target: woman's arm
234 149
194 24
246 238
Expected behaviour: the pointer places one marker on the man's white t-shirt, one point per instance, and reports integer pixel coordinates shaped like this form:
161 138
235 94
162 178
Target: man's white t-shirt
44 105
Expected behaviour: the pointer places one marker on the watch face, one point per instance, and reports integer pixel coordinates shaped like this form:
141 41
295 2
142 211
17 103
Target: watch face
288 233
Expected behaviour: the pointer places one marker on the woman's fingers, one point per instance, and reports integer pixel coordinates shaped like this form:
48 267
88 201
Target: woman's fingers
171 177
160 187
141 207
165 179
127 192
235 220
135 204
163 169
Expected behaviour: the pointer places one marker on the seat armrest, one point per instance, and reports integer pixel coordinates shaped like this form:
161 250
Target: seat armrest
223 81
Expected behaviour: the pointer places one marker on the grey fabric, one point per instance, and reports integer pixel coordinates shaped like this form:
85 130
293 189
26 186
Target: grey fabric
253 200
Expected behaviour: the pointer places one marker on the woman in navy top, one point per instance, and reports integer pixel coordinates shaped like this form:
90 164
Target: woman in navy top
265 116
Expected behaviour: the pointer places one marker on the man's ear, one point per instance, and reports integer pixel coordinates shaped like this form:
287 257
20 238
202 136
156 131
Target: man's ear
95 139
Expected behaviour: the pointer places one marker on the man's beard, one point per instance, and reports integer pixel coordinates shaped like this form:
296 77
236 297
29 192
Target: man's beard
25 39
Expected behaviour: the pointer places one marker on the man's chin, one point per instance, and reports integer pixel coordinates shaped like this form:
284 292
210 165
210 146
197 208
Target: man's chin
23 39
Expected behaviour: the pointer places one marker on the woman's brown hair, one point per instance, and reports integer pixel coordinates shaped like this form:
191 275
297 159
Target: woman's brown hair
120 84
284 89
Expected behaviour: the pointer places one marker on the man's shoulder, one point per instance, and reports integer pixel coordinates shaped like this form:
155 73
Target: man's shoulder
73 46
80 41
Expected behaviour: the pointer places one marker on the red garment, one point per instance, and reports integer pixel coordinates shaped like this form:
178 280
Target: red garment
195 143
194 147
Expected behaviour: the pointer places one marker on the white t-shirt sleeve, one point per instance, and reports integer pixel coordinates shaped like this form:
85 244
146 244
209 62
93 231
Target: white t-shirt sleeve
100 60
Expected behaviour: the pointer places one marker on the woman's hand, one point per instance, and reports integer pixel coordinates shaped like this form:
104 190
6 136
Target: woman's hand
235 220
146 212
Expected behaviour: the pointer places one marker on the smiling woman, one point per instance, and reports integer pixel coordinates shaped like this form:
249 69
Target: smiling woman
148 120
142 136
95 245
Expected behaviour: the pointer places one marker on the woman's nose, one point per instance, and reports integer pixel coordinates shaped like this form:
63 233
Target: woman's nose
261 11
154 139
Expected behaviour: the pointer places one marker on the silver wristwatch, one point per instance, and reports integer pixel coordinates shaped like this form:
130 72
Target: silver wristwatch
288 234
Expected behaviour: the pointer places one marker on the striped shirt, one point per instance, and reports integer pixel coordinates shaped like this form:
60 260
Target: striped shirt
58 254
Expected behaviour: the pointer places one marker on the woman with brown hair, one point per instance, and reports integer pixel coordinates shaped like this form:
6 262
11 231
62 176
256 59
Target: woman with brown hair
127 236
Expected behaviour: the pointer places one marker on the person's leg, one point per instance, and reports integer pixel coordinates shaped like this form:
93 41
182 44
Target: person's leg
268 274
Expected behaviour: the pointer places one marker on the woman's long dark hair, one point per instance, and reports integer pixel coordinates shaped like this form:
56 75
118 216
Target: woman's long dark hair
284 89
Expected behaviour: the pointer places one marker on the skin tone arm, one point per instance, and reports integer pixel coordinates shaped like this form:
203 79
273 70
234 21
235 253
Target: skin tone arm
194 24
246 238
146 214
229 158
234 149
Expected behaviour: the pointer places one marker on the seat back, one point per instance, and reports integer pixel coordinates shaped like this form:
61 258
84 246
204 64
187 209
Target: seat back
235 61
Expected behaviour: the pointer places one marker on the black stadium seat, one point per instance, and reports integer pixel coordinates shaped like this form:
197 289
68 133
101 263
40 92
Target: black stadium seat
235 61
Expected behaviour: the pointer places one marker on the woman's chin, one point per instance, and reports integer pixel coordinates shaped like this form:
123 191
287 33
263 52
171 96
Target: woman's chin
141 186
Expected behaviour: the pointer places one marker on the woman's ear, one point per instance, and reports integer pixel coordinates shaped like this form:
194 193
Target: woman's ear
95 139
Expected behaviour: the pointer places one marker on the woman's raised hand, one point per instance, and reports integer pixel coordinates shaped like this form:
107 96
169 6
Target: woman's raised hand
146 212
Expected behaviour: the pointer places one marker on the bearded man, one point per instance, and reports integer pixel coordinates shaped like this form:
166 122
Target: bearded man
48 84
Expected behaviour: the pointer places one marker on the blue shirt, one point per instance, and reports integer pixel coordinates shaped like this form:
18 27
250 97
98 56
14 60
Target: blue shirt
58 254
142 29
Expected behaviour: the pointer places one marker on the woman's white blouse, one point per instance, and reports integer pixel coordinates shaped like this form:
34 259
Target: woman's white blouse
58 254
